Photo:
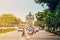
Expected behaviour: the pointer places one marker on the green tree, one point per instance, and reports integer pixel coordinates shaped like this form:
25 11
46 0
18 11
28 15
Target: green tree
42 16
52 4
53 20
38 23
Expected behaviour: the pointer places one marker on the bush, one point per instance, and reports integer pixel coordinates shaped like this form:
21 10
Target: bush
57 33
6 30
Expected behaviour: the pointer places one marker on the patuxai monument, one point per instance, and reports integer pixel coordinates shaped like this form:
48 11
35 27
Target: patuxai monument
30 19
28 29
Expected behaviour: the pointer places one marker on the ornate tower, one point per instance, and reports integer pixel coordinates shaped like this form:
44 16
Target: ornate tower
30 19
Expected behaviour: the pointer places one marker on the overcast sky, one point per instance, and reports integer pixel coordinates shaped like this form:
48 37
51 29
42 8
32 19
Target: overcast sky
20 8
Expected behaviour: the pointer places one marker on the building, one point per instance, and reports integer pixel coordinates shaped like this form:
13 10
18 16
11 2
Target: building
30 19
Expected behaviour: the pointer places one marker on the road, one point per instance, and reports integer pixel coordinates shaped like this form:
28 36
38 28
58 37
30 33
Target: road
41 35
15 35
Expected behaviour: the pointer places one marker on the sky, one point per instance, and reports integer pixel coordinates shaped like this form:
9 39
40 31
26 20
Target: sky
20 8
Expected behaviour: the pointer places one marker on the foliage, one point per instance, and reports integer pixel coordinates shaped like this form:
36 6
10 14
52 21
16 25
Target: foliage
38 23
42 16
52 20
7 30
8 20
49 19
52 4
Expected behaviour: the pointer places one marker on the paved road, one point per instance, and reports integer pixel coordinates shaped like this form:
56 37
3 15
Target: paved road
41 35
11 36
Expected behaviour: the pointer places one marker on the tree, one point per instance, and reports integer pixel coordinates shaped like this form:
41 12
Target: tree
54 7
52 4
38 23
42 16
7 20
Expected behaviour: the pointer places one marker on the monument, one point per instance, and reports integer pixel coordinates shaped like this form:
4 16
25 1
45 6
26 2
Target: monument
28 31
30 19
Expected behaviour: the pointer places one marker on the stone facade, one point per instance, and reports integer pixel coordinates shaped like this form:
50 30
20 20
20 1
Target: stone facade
30 19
